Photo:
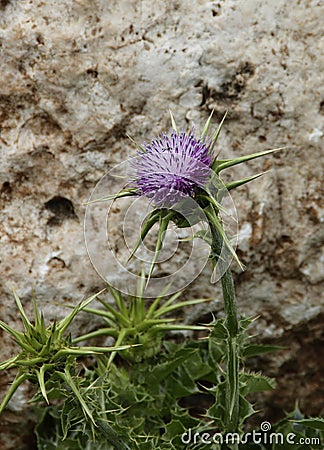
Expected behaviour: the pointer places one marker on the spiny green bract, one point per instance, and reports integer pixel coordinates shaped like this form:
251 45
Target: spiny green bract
132 321
47 354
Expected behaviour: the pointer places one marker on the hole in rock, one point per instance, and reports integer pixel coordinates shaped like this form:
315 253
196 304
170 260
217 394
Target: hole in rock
62 208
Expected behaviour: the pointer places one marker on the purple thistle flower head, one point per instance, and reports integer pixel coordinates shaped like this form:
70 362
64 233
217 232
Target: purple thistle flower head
171 167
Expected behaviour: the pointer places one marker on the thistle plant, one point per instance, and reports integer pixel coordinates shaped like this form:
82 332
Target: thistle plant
169 171
47 356
133 322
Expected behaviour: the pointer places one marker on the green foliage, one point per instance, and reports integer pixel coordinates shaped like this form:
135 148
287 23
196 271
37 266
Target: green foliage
47 357
150 402
138 402
135 398
133 321
133 402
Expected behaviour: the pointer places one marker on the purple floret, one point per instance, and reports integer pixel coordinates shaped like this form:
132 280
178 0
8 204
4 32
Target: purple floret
172 167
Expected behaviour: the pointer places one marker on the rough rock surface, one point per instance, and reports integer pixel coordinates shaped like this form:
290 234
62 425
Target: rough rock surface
78 77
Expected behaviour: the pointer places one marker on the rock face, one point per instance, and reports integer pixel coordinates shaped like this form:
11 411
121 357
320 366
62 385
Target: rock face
78 77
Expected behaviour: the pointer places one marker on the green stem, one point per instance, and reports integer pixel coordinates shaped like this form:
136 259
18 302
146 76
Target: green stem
232 386
231 418
111 435
227 282
230 303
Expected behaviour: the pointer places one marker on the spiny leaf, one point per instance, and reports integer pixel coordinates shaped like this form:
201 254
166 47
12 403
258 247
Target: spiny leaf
174 126
117 316
216 134
165 304
212 216
235 184
140 286
148 223
99 312
25 319
19 379
256 382
164 310
316 423
41 381
50 340
157 301
39 325
211 199
162 371
137 308
63 324
179 327
149 324
8 363
100 332
140 147
66 376
17 335
79 351
33 338
163 226
121 336
29 362
207 125
219 331
205 235
254 349
124 193
246 409
219 165
119 301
